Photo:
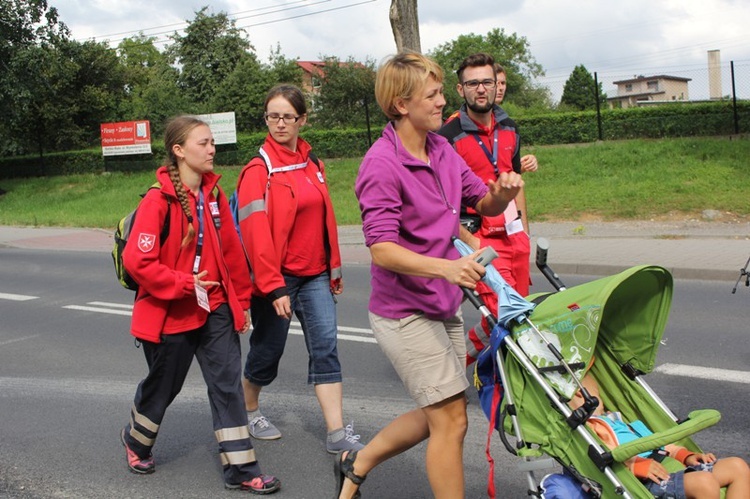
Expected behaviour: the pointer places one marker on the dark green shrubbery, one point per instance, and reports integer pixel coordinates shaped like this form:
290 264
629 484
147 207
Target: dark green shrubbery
673 120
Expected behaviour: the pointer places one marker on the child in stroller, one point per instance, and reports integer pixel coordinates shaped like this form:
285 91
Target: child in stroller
703 476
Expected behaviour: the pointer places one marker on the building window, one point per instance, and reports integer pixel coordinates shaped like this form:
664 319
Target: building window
628 87
316 82
652 85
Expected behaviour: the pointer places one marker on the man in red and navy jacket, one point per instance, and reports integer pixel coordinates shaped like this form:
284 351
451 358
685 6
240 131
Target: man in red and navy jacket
488 140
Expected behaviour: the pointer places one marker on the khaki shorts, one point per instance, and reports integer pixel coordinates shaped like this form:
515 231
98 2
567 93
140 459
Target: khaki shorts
429 356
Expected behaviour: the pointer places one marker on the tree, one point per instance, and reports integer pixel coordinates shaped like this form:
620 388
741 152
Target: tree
405 25
244 91
97 87
139 56
160 100
24 24
346 88
62 94
580 90
209 52
151 89
511 51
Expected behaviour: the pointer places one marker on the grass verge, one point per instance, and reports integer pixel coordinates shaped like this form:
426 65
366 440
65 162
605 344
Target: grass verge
639 180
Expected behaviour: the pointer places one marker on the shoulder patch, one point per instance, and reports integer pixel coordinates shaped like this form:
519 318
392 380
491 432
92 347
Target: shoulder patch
146 242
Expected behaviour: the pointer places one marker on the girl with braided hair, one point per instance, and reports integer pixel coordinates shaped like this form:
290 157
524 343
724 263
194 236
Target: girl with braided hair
193 296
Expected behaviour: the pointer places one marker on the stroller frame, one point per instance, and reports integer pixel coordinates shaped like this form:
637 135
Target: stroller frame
581 416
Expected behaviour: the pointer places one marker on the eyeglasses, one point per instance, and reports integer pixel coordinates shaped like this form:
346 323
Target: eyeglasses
474 84
276 117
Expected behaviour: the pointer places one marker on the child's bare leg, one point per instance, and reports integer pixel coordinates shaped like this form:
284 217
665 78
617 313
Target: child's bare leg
733 473
701 485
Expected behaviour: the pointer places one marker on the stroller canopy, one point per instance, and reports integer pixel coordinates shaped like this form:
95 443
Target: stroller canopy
626 312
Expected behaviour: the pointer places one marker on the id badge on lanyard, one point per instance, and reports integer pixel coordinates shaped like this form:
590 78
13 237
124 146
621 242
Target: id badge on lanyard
201 294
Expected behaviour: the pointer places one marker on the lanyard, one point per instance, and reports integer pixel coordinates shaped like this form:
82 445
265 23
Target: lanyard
492 156
199 248
289 168
279 169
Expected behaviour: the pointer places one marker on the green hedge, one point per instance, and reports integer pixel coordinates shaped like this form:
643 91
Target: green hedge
327 143
656 122
672 120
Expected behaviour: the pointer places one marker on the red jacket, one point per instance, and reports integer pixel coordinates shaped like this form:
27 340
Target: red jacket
268 207
463 132
165 302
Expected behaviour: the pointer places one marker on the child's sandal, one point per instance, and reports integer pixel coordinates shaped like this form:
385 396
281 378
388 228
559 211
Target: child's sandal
344 468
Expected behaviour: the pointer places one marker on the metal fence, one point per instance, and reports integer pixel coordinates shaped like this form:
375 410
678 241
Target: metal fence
712 82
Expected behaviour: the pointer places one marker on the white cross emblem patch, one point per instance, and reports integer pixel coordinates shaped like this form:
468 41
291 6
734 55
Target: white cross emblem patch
146 242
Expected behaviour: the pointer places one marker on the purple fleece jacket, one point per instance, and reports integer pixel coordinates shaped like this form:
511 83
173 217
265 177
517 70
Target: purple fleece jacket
415 205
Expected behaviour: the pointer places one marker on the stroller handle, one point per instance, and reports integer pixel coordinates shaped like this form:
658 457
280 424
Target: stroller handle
542 246
484 258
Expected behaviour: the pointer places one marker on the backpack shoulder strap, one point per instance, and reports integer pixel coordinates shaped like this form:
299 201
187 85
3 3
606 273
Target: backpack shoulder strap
311 155
247 166
165 228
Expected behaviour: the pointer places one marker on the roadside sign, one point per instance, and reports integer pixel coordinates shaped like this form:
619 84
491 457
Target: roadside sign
222 125
126 137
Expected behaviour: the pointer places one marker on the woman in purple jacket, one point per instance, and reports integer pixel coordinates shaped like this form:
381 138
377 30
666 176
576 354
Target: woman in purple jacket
410 187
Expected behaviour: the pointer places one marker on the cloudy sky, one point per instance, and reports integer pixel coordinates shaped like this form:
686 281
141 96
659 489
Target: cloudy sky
616 38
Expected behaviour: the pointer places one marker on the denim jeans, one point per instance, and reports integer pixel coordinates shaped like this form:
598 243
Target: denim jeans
312 303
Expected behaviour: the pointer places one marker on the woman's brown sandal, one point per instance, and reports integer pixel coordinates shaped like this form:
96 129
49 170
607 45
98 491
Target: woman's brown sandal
344 468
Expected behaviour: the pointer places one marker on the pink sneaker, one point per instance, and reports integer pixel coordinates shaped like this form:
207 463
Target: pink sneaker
135 463
261 485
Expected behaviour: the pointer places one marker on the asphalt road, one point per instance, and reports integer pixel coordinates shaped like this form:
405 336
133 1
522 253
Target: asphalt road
68 370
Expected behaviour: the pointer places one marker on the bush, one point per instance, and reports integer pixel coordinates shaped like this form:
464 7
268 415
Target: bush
658 121
652 122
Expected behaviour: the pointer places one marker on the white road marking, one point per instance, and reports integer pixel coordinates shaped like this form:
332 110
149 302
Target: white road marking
704 373
12 297
123 309
347 337
14 340
668 369
108 304
100 310
342 328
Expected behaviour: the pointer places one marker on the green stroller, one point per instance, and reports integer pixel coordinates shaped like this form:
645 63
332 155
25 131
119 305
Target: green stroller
541 348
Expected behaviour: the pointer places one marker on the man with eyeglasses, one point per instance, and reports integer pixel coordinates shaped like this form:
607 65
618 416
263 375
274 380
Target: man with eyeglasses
488 140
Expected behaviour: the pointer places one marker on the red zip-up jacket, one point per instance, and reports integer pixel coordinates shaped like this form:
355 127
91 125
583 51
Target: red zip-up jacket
268 208
165 302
